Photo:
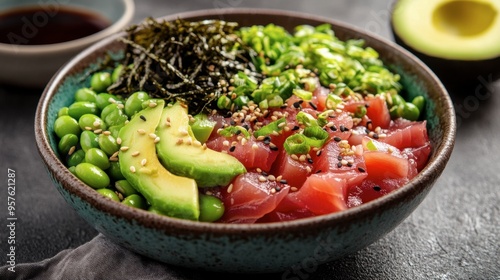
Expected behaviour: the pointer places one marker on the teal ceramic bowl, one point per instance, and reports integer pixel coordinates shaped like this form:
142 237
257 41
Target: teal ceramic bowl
250 248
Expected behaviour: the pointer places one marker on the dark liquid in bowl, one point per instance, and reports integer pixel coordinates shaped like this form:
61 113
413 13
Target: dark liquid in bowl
41 25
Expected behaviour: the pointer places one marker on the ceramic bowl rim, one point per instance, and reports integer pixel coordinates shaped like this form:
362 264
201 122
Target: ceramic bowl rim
162 223
116 26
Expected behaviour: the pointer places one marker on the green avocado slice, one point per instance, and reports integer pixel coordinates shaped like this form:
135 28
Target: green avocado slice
182 154
172 195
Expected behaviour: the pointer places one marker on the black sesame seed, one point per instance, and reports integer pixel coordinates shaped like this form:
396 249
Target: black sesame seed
277 188
296 127
375 136
339 164
273 147
284 106
297 104
245 126
333 128
232 148
232 122
339 157
343 128
313 106
264 173
377 188
310 160
238 132
283 181
367 130
142 117
318 153
318 171
337 139
367 105
267 140
361 169
349 164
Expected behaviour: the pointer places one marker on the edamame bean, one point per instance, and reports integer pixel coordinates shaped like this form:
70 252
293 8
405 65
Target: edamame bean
134 102
66 143
88 140
410 112
104 99
100 81
113 115
62 112
116 73
419 101
135 201
397 100
66 125
76 158
92 175
72 169
91 122
114 171
115 130
80 108
85 94
108 144
211 208
125 188
109 194
97 157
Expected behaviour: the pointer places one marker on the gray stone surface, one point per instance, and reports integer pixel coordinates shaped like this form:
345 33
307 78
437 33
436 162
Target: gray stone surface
454 233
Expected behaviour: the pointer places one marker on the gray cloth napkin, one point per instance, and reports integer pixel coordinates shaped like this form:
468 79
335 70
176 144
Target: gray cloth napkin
100 258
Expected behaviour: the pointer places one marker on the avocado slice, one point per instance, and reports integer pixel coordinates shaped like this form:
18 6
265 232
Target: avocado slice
172 195
458 40
182 154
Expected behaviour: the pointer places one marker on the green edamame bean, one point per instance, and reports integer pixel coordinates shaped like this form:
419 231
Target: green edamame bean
116 73
66 125
88 140
125 188
211 208
134 102
419 101
135 201
100 81
62 112
72 169
397 100
85 94
114 115
396 111
410 112
91 121
109 194
114 171
92 175
115 130
108 144
97 157
66 143
104 99
76 158
80 108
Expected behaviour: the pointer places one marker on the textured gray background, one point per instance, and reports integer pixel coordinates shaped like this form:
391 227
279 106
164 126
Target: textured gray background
454 233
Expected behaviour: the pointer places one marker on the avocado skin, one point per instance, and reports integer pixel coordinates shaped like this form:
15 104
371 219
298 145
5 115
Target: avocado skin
459 73
171 195
208 167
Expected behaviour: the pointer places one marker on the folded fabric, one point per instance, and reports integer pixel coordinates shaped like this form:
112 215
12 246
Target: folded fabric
99 258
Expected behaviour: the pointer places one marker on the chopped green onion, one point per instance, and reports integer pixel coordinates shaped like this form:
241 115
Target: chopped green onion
306 119
360 111
270 128
303 94
332 100
296 144
370 145
234 130
315 136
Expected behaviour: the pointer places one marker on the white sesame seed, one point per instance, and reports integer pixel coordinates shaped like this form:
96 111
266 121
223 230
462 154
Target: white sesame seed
152 104
71 150
88 128
152 136
136 153
179 141
107 132
141 131
97 123
124 148
343 162
308 169
302 158
230 188
120 106
118 141
225 143
157 139
294 157
271 178
132 169
144 161
98 131
196 143
262 179
293 189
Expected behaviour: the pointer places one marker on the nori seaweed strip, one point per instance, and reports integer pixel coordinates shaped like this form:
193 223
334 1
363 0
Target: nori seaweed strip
191 61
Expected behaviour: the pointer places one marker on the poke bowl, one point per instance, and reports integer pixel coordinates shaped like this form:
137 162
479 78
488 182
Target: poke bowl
271 242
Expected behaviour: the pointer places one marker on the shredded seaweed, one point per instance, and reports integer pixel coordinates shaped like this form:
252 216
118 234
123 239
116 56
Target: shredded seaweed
190 61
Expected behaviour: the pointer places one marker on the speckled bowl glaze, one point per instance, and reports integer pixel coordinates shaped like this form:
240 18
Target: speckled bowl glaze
250 248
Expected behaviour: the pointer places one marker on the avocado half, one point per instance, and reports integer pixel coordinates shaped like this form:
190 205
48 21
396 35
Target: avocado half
458 39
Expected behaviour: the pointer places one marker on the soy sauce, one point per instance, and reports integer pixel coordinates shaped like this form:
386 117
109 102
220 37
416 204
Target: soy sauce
41 25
